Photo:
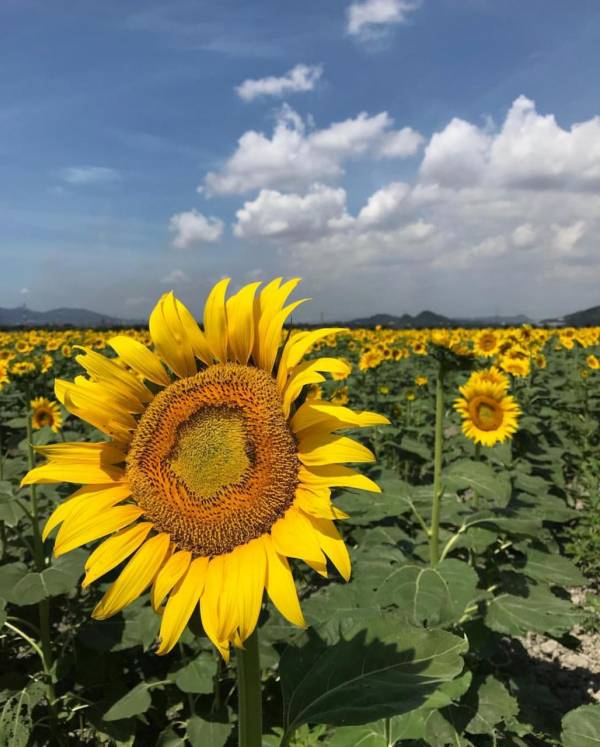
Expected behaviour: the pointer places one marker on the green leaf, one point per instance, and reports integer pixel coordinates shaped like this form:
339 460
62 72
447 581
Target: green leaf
338 608
493 704
581 727
3 613
136 701
540 612
59 578
481 478
10 511
384 670
203 733
552 569
197 675
10 575
381 733
434 597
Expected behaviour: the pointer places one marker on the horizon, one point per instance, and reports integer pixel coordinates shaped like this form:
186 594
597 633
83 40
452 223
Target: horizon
431 155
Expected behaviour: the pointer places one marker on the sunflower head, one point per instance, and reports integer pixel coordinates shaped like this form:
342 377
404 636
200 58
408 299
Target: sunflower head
212 474
45 412
489 414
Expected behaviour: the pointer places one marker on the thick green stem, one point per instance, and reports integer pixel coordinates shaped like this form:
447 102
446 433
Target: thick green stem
434 542
249 694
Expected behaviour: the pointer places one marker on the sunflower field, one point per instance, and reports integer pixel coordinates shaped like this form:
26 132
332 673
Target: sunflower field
239 532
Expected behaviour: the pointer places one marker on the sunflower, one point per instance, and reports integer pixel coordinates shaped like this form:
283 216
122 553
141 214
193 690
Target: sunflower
591 360
421 380
486 343
212 475
489 414
491 375
44 412
3 373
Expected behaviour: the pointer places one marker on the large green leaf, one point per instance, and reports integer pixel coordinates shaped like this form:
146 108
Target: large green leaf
135 702
384 670
59 578
493 486
493 704
197 675
203 733
552 569
540 612
581 727
435 597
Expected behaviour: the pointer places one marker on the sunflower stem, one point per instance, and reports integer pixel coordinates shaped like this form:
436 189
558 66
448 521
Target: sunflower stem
249 694
40 562
434 542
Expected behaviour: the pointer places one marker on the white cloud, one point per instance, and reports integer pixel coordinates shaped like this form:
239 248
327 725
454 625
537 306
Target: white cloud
175 276
24 291
371 17
297 156
524 236
384 205
567 237
300 78
83 175
192 228
530 151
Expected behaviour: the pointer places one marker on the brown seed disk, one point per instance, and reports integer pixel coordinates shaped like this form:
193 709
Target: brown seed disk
213 461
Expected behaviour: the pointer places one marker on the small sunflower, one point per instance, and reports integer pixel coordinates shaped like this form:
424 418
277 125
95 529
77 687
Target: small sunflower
45 412
592 362
489 414
212 475
486 343
421 380
3 373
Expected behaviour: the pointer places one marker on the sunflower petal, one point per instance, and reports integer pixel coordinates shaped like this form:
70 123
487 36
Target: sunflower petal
181 604
294 537
113 551
319 450
169 336
138 357
215 320
209 605
326 417
95 527
252 576
169 575
280 584
240 322
134 578
297 347
332 545
336 475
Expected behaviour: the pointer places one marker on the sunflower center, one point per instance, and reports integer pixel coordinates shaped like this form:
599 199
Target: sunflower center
213 462
486 413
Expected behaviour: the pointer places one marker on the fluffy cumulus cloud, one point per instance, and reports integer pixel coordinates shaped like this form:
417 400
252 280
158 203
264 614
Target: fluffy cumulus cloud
299 79
297 155
514 206
529 151
192 228
369 18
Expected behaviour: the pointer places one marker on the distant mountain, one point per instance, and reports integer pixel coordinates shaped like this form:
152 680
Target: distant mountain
587 318
493 321
406 321
63 317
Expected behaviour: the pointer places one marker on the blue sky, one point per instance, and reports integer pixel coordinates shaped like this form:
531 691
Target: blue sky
112 115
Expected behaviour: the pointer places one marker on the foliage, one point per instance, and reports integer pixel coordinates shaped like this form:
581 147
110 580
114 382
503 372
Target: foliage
408 652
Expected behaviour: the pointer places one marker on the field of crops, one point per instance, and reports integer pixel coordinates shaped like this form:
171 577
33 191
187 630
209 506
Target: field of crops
485 532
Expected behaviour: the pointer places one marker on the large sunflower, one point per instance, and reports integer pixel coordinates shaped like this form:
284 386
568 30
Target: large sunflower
213 474
489 414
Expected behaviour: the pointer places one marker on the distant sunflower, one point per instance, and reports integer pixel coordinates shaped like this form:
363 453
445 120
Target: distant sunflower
45 412
592 362
487 343
3 373
489 414
212 476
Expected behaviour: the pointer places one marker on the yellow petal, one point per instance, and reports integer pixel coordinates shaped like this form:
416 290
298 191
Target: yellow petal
113 551
209 605
169 336
111 375
332 544
309 372
181 604
317 503
240 322
272 339
319 450
135 578
326 417
194 334
293 536
77 462
169 575
336 475
252 576
215 320
280 584
95 527
138 357
297 347
269 303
